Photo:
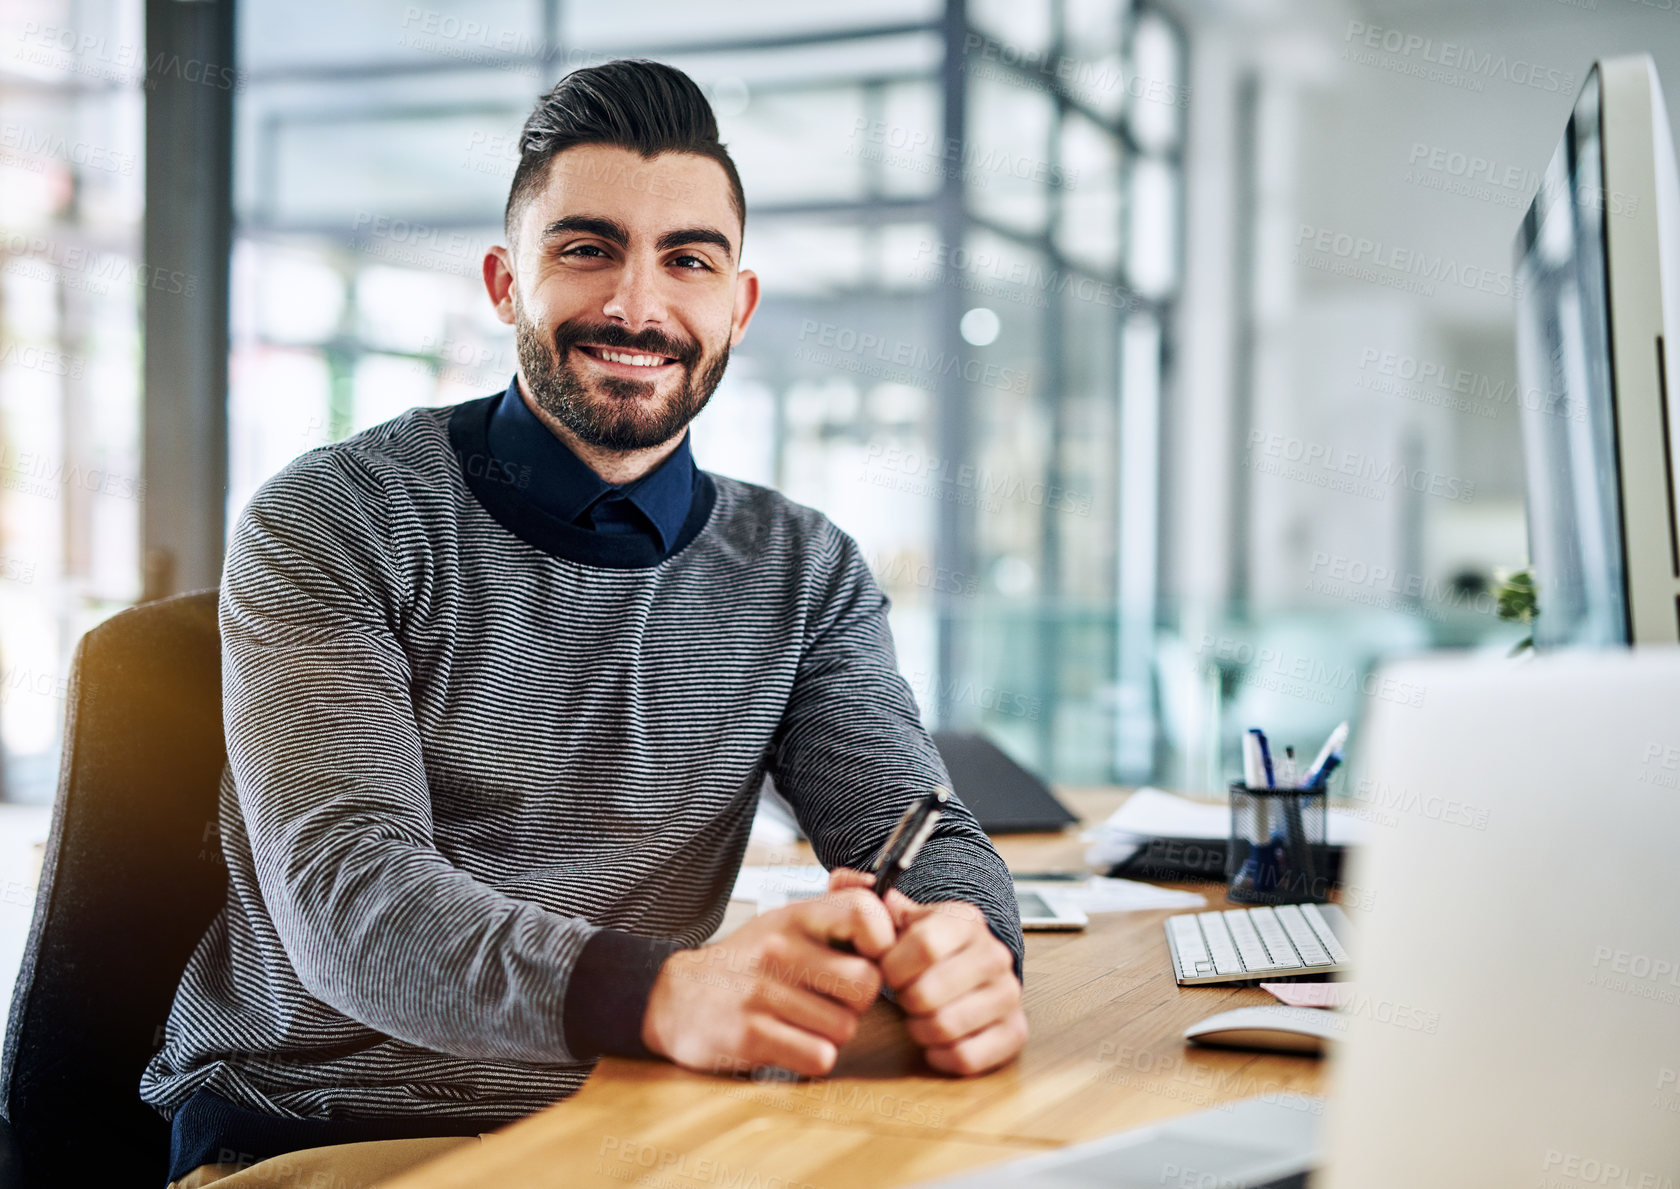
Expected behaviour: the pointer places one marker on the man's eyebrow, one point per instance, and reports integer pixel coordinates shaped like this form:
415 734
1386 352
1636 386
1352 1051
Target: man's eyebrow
610 230
696 235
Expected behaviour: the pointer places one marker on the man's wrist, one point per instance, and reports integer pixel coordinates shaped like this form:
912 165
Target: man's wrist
653 1013
607 995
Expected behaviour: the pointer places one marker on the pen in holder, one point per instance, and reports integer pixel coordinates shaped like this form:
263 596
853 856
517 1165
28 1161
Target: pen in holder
1277 846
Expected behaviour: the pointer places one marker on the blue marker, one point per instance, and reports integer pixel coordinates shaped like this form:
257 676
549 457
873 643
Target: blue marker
1265 756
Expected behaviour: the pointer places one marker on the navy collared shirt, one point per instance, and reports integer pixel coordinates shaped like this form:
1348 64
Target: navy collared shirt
562 485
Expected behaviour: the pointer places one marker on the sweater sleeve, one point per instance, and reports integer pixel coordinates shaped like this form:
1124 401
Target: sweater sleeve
851 754
331 780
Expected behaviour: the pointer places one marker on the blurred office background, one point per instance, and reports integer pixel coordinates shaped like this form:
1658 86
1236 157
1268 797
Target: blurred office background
1158 354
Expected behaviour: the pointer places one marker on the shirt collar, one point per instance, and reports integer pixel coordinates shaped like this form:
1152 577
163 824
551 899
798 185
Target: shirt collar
563 485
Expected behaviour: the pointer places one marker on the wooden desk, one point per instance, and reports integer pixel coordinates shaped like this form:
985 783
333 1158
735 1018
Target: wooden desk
1105 1053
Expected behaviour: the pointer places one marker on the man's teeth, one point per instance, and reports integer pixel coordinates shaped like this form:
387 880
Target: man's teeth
633 360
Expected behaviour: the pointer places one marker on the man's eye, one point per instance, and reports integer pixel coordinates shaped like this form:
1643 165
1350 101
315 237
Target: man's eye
690 261
584 250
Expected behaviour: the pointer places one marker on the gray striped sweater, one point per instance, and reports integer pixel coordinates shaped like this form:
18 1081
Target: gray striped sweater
477 791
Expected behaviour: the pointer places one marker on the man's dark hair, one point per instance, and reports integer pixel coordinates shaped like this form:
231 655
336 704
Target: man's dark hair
647 107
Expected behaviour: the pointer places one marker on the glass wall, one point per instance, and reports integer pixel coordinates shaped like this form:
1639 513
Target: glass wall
71 280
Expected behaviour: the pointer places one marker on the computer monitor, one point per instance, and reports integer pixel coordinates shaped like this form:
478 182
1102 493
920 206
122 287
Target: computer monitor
1598 267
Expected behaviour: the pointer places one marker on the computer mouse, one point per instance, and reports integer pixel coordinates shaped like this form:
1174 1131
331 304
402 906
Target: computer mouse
1274 1029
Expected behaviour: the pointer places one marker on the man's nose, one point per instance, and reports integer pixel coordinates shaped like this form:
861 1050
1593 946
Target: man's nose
636 300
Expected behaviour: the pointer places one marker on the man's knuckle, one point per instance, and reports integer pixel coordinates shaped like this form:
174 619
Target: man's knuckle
925 946
863 978
1018 1027
779 955
965 1056
947 1023
821 1056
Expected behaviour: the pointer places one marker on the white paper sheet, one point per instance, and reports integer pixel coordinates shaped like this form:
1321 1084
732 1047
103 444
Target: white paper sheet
759 883
1101 894
774 885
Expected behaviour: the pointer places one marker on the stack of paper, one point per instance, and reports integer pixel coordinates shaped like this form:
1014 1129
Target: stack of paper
1149 814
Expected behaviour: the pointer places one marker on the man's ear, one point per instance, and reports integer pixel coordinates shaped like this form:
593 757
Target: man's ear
498 282
746 301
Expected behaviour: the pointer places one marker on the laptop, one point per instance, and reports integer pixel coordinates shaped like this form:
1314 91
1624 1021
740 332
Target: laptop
1517 949
1524 907
1003 796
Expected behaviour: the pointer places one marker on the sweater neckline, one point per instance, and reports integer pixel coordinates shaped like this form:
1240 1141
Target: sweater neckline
500 490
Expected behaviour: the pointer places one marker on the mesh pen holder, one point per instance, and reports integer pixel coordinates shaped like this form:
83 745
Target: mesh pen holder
1277 853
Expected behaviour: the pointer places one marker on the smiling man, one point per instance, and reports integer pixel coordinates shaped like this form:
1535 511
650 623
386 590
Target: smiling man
501 683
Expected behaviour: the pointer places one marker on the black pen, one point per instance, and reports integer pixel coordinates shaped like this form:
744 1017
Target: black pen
913 829
900 848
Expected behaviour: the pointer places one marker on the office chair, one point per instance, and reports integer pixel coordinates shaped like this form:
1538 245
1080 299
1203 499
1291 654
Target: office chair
133 876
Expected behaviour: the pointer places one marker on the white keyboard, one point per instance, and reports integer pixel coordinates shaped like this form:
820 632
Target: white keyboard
1252 943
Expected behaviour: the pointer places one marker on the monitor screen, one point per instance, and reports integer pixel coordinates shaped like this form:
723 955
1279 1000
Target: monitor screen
1568 412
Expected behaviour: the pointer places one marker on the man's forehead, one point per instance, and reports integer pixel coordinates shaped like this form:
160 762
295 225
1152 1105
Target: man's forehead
649 195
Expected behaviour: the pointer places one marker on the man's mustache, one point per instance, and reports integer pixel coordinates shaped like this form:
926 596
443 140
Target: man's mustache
644 342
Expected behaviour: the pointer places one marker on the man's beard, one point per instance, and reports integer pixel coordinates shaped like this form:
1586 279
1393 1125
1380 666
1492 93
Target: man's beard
604 413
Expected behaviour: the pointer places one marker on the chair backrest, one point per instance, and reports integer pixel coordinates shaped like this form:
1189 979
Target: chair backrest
132 877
